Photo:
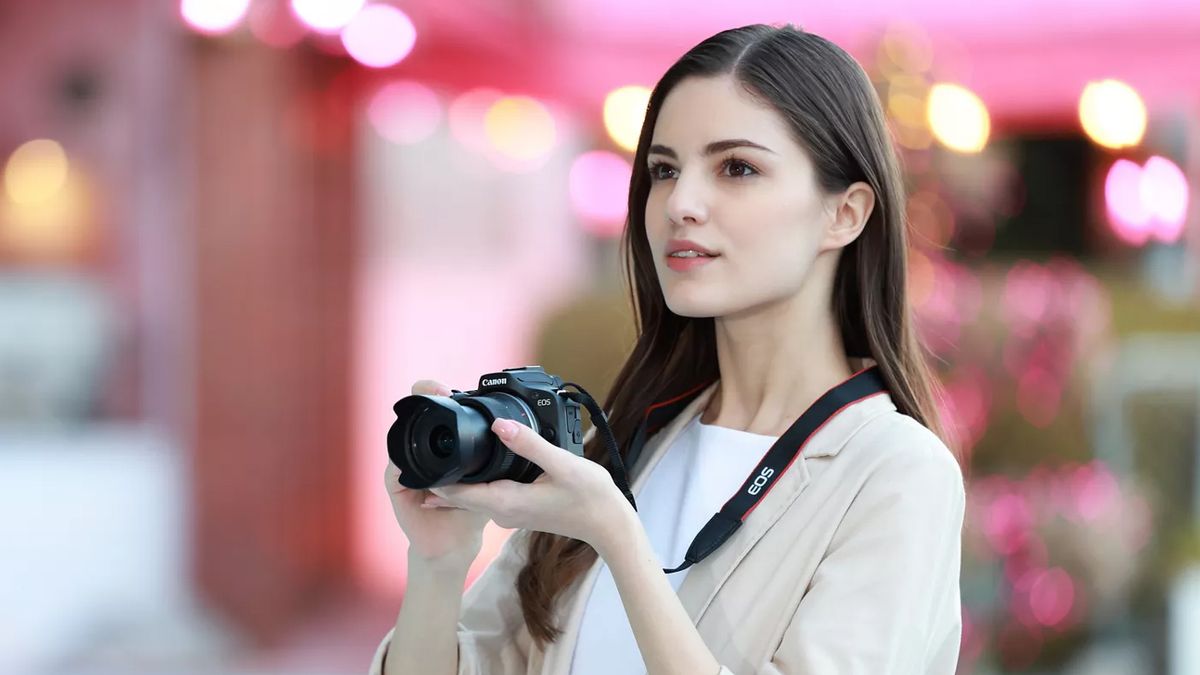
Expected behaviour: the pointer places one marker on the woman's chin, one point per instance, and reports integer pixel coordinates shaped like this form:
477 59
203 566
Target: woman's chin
692 309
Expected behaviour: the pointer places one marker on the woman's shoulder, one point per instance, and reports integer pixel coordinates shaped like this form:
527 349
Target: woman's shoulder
895 446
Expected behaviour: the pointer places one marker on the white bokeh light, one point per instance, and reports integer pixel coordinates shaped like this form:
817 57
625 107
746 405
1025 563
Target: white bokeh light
379 36
1112 114
213 17
958 118
327 16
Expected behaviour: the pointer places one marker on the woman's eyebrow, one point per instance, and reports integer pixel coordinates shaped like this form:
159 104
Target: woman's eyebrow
712 148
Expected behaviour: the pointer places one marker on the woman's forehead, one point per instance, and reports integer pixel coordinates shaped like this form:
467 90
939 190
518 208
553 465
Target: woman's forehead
700 110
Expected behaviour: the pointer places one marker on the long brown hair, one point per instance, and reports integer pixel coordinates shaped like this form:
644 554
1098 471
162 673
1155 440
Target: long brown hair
835 114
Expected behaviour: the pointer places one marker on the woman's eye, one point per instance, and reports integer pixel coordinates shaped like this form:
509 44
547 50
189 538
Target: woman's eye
661 172
739 169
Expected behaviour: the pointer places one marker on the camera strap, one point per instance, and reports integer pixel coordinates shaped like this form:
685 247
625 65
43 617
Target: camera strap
778 459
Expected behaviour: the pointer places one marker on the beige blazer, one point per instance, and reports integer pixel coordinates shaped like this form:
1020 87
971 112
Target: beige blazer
849 565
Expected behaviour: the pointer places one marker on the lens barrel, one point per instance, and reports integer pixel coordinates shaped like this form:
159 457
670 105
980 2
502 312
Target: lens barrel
442 440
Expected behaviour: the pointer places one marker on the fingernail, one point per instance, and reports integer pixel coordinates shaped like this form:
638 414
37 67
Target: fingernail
506 429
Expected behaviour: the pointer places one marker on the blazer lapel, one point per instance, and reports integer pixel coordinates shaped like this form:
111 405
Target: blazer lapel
706 578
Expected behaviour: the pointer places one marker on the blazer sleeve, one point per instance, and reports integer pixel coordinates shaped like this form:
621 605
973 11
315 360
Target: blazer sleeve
492 638
885 598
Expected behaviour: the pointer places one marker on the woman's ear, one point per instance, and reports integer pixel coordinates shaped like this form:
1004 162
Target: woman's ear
852 208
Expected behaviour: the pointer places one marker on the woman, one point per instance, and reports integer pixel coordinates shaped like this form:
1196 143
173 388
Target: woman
766 240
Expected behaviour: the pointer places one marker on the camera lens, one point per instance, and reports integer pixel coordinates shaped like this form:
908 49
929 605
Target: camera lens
441 441
437 440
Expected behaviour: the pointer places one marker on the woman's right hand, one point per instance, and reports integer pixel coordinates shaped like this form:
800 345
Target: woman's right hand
437 535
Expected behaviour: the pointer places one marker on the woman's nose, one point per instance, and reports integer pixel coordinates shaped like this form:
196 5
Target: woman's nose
687 202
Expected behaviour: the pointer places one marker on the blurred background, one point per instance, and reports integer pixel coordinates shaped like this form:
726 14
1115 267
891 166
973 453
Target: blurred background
234 232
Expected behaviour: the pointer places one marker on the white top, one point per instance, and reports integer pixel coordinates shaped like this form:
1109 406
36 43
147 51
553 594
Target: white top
701 470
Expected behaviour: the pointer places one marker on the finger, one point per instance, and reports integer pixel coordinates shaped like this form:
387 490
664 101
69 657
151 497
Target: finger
433 501
453 491
468 496
430 388
523 441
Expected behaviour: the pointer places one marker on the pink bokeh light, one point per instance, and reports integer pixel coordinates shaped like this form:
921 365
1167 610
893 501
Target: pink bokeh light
1044 597
1122 192
1008 523
1165 187
1051 596
1028 290
405 112
379 36
966 405
599 187
1146 202
1094 489
213 17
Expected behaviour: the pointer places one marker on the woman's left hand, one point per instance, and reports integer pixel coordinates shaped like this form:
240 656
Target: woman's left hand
573 497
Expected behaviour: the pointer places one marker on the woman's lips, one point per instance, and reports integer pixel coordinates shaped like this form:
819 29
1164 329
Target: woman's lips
685 264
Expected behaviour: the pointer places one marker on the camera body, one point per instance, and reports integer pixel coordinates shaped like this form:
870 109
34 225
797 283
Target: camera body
441 440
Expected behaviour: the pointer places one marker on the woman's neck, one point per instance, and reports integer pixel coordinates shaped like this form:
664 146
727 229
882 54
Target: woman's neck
775 362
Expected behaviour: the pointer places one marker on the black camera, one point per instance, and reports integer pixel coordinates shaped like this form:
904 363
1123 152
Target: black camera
441 440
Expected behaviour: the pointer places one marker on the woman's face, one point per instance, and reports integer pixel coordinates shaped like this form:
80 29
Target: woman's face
727 176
